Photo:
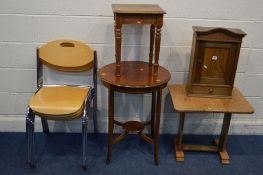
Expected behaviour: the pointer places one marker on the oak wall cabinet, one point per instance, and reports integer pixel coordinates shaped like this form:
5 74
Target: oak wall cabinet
214 59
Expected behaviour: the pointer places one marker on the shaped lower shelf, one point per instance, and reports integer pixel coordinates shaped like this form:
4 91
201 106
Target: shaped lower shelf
133 126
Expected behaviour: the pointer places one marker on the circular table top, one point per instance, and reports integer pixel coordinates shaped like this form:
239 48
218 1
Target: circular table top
134 74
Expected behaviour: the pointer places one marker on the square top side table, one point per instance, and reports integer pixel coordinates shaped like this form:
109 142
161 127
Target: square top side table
183 103
139 14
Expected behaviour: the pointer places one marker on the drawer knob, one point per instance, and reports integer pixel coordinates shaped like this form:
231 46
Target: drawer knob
210 90
139 22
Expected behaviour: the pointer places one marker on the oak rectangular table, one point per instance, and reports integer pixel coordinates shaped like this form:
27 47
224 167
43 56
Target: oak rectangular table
183 103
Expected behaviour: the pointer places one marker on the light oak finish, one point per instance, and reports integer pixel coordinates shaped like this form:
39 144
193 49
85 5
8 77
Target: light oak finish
67 55
184 103
139 14
59 103
137 78
63 102
214 59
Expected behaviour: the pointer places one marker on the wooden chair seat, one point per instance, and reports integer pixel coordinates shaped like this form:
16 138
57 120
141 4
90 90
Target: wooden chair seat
59 102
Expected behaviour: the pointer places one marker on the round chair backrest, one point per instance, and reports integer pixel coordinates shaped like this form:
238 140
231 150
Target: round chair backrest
67 55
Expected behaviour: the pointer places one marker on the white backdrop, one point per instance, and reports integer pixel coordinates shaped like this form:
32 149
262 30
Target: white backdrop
26 24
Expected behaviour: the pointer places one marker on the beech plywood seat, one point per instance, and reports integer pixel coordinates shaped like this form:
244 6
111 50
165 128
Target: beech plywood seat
63 102
58 103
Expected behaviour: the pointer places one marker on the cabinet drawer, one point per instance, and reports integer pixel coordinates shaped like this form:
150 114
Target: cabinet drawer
138 19
209 91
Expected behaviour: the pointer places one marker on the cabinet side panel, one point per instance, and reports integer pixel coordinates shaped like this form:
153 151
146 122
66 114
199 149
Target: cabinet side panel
191 65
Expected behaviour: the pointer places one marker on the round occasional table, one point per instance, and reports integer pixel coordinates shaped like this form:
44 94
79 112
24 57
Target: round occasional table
137 77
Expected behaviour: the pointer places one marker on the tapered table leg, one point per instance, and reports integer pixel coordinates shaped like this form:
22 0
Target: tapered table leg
153 113
179 153
110 124
157 125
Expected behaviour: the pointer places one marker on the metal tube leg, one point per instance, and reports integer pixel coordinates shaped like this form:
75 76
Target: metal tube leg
45 125
30 137
95 104
28 144
157 125
95 127
32 146
110 124
27 136
84 143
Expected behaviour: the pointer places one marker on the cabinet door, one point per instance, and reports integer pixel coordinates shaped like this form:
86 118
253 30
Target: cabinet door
216 63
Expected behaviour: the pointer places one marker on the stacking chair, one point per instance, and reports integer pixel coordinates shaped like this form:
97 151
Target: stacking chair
62 102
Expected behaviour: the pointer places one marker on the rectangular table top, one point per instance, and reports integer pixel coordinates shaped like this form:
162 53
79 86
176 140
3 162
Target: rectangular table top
184 103
138 8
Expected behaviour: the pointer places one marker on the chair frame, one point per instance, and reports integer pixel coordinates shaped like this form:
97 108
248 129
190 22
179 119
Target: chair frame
30 116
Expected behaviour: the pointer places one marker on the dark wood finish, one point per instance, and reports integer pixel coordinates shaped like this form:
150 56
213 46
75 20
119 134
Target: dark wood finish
153 112
152 32
120 137
214 59
137 77
183 103
157 124
139 14
137 9
133 126
110 123
157 48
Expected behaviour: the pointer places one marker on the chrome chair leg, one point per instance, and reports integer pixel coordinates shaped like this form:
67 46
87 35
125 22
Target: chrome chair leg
45 126
94 112
30 119
95 89
28 139
84 139
32 145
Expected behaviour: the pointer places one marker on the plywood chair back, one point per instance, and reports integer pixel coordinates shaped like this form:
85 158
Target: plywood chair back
66 55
